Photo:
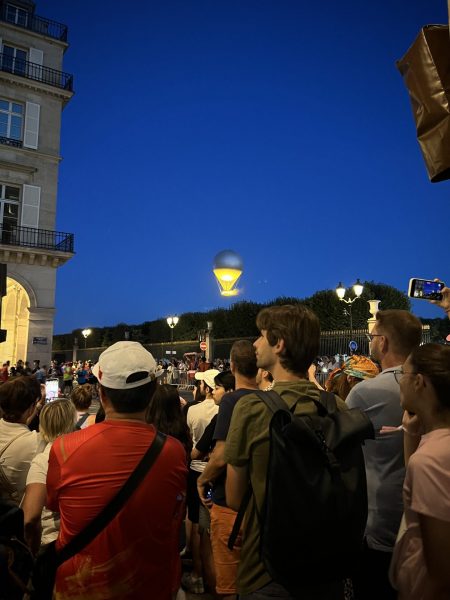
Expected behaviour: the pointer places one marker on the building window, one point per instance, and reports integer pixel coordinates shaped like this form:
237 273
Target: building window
16 15
11 120
14 60
9 212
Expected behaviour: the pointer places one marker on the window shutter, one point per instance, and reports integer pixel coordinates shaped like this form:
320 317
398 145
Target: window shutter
35 60
31 199
31 133
36 56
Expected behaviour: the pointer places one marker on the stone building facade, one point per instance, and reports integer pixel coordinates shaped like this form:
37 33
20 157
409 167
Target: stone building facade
33 92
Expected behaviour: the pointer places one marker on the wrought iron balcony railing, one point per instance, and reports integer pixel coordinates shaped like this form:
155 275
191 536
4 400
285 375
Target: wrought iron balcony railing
52 29
29 237
30 70
11 142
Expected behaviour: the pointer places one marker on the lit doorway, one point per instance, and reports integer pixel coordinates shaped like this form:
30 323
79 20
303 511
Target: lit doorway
15 319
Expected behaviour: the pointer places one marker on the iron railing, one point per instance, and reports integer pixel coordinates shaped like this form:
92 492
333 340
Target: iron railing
29 237
337 342
36 72
11 142
52 29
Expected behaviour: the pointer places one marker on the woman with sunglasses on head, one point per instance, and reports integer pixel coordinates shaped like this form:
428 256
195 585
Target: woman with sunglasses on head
421 563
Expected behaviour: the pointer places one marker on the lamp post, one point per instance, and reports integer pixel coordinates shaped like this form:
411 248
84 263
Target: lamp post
85 333
172 322
357 290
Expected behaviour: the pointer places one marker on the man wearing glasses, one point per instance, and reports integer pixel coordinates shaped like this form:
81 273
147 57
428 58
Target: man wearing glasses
394 335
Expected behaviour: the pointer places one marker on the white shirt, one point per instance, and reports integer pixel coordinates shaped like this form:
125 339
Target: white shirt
198 418
16 459
38 474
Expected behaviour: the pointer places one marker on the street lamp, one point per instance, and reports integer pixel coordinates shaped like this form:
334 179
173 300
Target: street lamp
171 322
85 334
357 290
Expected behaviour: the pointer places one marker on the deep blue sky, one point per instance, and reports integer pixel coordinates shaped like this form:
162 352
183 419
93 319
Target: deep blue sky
280 129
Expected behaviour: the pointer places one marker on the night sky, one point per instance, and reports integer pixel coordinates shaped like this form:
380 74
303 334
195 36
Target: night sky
279 129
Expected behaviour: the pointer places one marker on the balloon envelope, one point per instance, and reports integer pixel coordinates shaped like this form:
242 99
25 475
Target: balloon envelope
228 268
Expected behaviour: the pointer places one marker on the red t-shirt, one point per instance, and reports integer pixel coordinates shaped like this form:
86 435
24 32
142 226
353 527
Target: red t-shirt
136 556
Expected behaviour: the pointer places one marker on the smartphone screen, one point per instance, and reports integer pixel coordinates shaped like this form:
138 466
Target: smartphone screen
51 389
425 289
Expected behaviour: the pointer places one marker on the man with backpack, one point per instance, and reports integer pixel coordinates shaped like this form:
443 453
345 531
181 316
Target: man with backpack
287 552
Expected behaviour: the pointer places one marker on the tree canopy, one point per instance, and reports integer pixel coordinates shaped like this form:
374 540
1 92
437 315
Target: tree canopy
239 320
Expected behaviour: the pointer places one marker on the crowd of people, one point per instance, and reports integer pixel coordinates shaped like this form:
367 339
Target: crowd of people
63 465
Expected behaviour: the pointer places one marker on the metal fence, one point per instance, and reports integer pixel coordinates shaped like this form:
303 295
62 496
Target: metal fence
31 237
331 343
41 25
36 72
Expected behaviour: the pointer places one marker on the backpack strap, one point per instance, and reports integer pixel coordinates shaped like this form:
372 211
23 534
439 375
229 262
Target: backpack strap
328 400
272 400
81 420
240 516
274 403
11 441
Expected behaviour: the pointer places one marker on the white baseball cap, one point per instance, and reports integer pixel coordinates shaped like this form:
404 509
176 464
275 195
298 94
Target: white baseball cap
207 377
120 361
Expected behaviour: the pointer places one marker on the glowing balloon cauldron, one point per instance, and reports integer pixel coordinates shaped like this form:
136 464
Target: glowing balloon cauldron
227 270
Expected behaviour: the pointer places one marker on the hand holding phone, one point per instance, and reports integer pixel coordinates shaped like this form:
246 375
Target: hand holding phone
425 289
51 389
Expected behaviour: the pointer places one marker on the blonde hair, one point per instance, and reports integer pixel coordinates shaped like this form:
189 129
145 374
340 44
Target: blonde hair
56 418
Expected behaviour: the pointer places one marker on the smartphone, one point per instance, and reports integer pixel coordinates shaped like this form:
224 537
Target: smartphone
51 390
425 289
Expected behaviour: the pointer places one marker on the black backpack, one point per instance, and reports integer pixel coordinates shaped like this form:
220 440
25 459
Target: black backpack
315 509
16 560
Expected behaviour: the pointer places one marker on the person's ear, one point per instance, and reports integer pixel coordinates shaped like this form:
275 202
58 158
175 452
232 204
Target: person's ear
279 346
420 381
102 396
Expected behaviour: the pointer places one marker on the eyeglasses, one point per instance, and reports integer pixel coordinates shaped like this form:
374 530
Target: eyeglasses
370 336
398 374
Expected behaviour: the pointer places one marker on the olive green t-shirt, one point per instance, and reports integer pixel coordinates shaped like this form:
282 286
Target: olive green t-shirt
247 445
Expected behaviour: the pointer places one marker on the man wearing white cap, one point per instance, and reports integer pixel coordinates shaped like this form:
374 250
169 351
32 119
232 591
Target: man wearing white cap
198 417
135 556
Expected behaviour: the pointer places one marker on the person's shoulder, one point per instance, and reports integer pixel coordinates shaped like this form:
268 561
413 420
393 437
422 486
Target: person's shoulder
175 448
41 458
231 398
11 430
248 404
194 409
364 389
66 444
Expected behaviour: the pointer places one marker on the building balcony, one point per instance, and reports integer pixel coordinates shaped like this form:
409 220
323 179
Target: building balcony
52 29
35 246
15 235
7 141
35 72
